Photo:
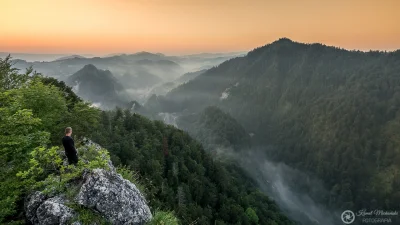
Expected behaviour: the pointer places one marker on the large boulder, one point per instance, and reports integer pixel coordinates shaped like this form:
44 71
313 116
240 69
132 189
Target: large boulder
103 191
32 204
115 198
51 211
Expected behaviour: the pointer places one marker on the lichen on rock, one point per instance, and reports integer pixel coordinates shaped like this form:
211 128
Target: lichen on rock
40 210
102 192
115 198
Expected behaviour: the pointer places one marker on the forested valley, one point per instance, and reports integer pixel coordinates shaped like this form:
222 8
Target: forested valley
173 170
329 112
308 127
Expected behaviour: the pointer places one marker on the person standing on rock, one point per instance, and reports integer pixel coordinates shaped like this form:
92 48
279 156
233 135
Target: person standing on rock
69 147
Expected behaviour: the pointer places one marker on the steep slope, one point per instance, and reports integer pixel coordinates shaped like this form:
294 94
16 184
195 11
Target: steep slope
82 193
326 110
164 88
170 168
140 79
97 86
189 76
180 175
216 130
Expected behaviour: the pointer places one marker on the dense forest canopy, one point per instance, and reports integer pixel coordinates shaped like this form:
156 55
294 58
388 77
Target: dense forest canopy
216 130
176 172
331 112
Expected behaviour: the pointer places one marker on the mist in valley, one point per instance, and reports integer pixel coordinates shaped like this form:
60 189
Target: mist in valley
283 183
141 75
176 90
298 194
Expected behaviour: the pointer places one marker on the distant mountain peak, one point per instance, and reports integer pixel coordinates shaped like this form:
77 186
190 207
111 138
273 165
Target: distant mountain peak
144 53
96 85
284 40
70 57
278 45
89 67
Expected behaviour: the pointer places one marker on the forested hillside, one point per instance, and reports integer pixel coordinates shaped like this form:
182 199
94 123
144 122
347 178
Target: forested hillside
173 170
181 176
216 130
331 112
98 86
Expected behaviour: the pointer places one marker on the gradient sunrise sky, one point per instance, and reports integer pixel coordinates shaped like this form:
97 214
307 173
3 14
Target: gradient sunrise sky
191 26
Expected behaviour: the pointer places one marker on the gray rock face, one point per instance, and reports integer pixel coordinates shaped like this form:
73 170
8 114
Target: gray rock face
32 204
53 211
40 210
115 198
103 191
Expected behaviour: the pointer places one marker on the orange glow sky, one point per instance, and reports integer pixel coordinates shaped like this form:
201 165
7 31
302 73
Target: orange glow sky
190 26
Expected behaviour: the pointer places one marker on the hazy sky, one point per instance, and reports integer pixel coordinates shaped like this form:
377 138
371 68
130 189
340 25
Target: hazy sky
189 26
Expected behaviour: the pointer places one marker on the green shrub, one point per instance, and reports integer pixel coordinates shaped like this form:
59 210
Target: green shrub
163 218
133 177
48 174
252 215
87 216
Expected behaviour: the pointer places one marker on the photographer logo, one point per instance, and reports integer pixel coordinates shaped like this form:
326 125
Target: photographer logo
348 217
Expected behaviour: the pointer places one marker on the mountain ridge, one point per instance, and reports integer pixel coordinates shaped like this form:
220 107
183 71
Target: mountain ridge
310 102
97 86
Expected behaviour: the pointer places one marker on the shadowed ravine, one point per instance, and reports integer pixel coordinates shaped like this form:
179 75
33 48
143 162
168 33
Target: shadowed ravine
278 180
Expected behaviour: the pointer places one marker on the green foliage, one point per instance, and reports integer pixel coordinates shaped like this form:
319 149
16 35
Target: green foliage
327 111
34 113
19 134
179 175
87 216
30 111
92 158
133 177
45 102
9 77
67 92
215 130
72 191
48 173
84 119
163 218
78 114
42 163
252 215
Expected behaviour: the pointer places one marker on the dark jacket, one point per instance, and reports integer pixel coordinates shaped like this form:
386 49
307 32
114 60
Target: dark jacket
70 151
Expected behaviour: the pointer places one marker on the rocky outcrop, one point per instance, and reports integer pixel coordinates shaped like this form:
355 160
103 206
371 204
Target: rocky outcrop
32 204
103 191
115 198
40 210
54 211
87 143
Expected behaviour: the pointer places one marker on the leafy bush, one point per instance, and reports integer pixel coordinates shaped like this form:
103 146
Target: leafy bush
252 215
49 174
133 177
87 216
33 112
163 218
175 170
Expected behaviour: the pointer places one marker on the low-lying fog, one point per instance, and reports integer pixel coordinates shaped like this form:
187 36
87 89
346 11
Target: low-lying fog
280 182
